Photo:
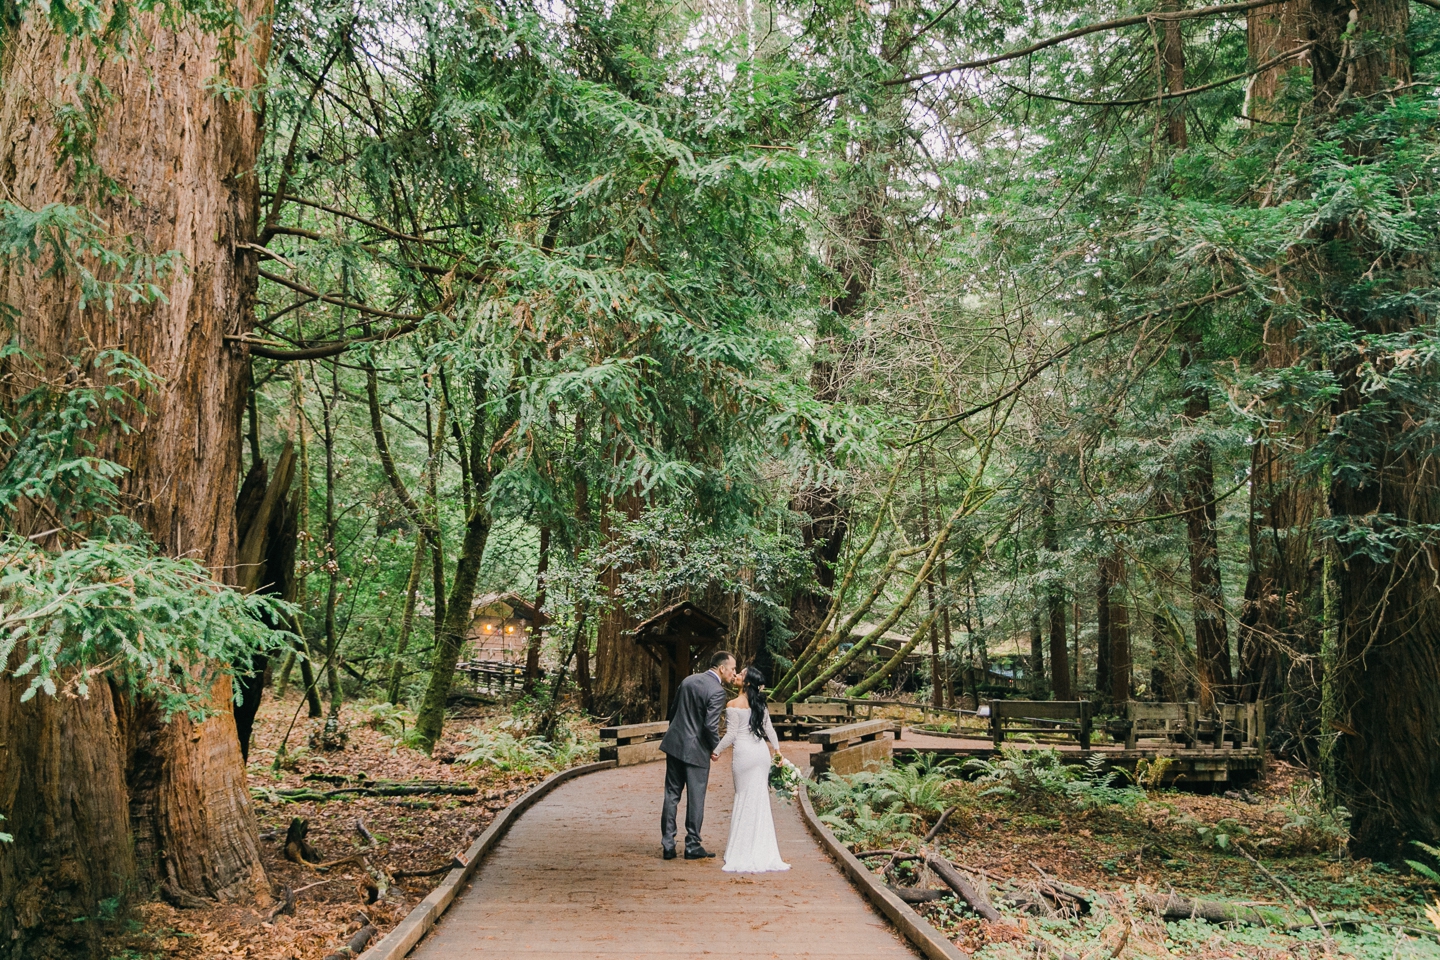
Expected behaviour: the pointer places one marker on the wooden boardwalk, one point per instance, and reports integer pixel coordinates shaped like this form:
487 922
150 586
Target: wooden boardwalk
580 876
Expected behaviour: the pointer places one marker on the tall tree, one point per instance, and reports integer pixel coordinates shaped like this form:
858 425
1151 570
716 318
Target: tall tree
1383 485
1055 599
108 796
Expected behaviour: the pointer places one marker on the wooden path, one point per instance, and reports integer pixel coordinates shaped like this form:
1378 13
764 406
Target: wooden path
580 876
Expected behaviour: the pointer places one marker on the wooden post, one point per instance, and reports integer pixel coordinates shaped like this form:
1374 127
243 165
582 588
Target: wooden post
1084 724
997 732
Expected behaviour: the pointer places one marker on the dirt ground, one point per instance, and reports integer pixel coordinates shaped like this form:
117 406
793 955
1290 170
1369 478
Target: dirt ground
411 833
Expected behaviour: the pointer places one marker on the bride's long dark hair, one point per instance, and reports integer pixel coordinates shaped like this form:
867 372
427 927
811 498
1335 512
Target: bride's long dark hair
754 686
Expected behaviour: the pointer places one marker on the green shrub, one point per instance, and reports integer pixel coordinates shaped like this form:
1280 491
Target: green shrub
390 719
1039 777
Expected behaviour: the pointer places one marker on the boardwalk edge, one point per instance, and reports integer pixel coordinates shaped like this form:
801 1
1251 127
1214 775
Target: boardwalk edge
915 928
396 944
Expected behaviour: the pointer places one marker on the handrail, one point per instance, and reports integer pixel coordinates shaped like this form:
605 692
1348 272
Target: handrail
922 707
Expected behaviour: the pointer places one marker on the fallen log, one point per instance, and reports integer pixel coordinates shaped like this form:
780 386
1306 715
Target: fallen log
380 790
1213 911
946 871
286 906
918 894
357 943
435 872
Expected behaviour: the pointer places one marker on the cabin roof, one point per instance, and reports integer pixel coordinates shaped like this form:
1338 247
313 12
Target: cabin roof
677 620
523 609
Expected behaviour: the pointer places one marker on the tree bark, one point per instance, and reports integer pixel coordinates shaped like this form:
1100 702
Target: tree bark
182 160
1387 662
407 619
480 472
1172 66
626 678
1038 689
1055 602
1120 658
266 563
532 650
1212 640
1104 581
1269 32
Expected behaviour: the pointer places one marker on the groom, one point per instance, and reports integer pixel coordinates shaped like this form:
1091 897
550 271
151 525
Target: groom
694 733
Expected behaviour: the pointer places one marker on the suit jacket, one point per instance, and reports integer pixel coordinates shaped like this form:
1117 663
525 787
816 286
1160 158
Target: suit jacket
695 720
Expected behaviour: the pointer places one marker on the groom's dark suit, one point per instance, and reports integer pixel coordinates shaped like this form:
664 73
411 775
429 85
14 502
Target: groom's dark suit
693 734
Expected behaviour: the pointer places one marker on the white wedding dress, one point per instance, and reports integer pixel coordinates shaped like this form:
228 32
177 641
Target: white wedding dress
752 847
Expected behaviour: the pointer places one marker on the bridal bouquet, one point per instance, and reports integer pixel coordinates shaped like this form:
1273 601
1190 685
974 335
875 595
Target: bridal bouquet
785 777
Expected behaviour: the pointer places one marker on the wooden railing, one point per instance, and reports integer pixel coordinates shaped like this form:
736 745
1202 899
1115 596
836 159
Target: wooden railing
1072 717
496 675
633 743
853 747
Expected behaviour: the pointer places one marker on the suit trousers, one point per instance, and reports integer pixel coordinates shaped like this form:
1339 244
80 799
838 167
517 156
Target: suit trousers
692 779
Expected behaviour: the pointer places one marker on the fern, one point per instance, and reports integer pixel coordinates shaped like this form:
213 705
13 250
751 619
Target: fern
1425 871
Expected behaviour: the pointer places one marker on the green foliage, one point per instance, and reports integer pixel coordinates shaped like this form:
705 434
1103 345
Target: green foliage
508 749
1221 833
866 809
1425 870
161 626
1040 776
76 244
393 720
49 437
1314 823
861 825
102 602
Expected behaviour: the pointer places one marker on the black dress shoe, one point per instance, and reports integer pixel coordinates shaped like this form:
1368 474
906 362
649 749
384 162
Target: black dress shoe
701 854
668 854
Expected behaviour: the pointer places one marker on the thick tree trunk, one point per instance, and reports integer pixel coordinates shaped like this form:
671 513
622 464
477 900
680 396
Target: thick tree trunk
63 792
182 158
1269 32
1038 688
1279 627
626 678
1361 58
1387 661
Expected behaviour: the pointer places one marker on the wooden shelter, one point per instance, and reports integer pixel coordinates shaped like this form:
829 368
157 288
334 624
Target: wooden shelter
500 625
675 638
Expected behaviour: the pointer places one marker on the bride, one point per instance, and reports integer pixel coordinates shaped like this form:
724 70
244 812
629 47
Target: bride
752 847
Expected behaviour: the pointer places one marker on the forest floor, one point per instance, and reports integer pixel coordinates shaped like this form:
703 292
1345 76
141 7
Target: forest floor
418 832
1068 858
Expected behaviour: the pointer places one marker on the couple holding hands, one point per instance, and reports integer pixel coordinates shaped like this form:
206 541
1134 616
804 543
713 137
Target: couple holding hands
693 741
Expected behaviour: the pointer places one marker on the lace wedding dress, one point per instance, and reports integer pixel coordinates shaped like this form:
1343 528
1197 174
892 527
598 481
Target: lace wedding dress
752 847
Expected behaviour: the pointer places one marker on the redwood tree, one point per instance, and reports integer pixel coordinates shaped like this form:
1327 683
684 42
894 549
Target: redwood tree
103 795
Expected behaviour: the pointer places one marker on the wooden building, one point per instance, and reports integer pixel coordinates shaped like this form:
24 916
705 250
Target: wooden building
676 638
500 625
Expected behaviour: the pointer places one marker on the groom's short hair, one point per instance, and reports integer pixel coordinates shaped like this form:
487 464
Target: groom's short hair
719 657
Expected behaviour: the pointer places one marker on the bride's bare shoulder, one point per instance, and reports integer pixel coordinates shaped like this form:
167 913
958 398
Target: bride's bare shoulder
741 702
